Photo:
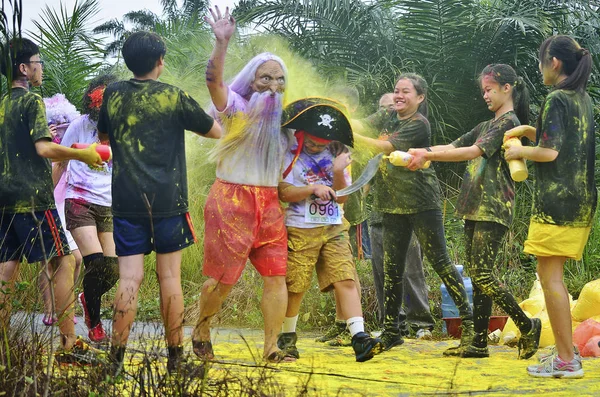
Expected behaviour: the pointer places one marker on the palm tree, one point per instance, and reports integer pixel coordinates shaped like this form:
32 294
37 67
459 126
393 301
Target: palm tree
71 53
9 27
187 15
447 41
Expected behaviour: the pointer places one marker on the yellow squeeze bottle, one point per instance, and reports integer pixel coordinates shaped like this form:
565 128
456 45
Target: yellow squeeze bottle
518 168
401 159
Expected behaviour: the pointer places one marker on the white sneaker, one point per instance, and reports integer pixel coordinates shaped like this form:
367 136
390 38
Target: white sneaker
554 367
424 334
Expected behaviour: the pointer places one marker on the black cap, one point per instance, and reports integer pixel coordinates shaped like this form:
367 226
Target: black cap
320 117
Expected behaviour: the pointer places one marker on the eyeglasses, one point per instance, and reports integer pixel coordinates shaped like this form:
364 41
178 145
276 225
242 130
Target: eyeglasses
40 62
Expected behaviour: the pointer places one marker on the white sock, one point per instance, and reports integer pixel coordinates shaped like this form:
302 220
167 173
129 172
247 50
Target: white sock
355 325
289 324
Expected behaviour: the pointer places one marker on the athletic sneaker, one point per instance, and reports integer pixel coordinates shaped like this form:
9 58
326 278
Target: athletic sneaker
545 356
86 314
529 342
80 354
466 339
336 329
97 334
554 367
365 347
390 339
286 342
343 339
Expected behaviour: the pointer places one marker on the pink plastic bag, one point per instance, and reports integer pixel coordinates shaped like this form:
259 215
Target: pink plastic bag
584 332
592 347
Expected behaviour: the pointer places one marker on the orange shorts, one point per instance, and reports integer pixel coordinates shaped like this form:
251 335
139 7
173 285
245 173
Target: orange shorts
243 222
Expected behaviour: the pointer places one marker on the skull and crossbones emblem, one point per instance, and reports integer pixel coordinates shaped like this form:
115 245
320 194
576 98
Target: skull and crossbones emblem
326 120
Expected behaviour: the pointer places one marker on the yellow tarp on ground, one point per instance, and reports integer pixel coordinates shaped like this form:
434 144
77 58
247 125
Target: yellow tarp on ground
415 368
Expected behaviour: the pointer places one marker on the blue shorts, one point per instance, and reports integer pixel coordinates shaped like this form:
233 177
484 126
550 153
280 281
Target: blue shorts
20 237
135 236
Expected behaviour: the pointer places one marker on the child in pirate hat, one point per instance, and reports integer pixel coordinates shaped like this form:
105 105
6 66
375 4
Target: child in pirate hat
317 232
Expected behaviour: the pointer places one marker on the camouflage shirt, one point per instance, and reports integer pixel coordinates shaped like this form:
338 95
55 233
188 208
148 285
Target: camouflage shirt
145 121
397 190
25 177
488 191
565 191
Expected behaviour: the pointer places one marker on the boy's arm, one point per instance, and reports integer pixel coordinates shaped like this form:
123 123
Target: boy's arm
223 28
56 152
289 193
215 131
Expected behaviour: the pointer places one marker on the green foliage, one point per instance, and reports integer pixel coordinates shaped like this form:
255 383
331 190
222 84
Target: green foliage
71 53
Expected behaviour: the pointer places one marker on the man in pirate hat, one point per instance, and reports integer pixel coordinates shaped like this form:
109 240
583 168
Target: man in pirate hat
317 231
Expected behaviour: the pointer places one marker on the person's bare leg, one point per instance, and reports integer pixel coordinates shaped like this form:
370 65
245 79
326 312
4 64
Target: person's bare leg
44 286
78 260
131 274
64 297
107 242
87 240
293 303
8 274
168 269
273 305
211 299
348 299
550 270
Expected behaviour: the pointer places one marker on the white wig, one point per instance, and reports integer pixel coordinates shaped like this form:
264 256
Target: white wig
242 82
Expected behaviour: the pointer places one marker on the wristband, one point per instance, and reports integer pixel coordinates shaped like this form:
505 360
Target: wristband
428 149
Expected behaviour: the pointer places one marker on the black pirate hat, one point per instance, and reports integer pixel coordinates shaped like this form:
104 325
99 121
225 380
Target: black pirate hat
320 117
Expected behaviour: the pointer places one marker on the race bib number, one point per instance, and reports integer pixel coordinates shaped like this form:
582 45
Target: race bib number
320 212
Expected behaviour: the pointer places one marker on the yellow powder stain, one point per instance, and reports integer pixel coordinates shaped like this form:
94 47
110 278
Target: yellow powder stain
132 120
415 368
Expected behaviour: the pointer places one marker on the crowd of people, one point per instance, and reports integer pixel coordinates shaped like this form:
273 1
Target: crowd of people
269 152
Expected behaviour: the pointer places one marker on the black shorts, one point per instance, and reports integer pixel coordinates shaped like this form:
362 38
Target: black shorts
135 236
20 236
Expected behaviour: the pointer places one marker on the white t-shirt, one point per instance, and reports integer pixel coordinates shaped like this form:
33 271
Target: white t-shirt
309 169
92 185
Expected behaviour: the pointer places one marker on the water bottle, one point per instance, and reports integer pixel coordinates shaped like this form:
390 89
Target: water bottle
449 309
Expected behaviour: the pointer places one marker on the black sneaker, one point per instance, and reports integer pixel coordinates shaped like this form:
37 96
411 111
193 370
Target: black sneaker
475 352
466 339
530 342
175 358
337 329
365 347
81 354
343 339
113 366
391 339
286 342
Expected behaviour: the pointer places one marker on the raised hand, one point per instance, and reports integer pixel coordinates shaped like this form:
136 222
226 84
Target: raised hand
341 162
223 26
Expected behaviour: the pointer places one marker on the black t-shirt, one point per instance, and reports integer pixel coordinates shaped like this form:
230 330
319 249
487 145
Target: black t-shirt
145 121
488 191
25 177
565 191
397 190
